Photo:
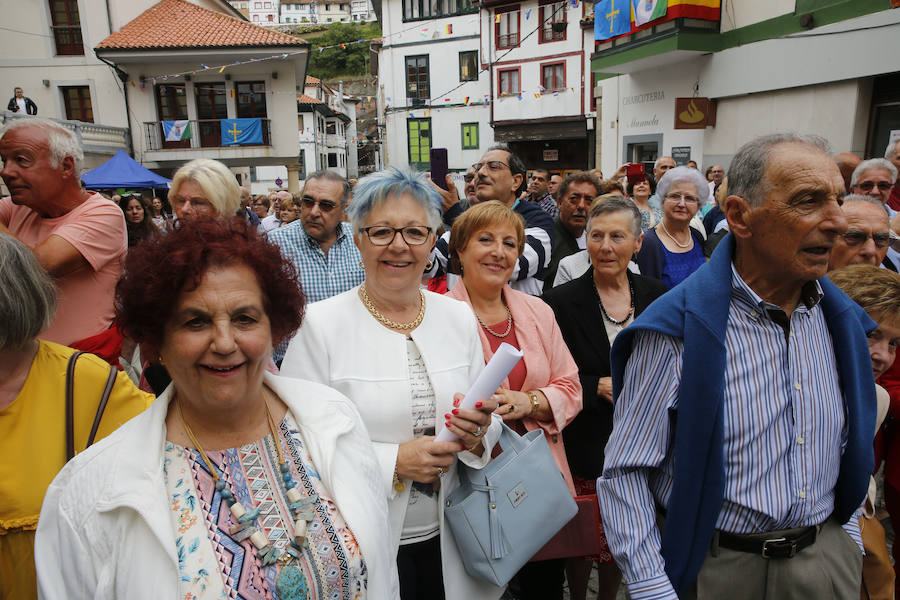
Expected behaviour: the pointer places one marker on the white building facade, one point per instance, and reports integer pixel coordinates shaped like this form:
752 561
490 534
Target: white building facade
264 12
807 66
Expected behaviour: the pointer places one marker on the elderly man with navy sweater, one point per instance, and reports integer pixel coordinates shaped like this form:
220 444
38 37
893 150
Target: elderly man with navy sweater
745 405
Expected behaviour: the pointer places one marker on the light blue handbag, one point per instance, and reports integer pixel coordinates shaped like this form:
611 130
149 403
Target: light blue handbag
503 514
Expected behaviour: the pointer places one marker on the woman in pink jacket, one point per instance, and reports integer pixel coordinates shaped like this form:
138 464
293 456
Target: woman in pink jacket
543 390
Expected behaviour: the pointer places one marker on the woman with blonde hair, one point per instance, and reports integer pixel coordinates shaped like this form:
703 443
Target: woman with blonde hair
204 186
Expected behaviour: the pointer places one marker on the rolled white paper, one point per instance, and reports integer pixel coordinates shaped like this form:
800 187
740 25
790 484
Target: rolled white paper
497 369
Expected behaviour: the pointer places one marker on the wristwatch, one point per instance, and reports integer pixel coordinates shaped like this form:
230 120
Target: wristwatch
535 402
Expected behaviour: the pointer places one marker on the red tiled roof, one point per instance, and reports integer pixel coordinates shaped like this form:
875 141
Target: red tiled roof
312 80
180 24
304 99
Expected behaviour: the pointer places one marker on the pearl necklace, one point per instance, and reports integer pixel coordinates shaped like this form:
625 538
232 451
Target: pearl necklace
509 321
672 237
364 296
291 582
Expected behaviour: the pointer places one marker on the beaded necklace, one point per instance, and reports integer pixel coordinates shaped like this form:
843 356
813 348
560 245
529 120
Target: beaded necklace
290 583
606 316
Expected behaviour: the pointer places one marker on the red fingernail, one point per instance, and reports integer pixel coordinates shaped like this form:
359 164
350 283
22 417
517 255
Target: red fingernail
456 402
455 411
478 405
447 416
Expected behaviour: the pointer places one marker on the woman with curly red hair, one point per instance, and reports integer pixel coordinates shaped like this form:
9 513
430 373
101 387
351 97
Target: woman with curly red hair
259 485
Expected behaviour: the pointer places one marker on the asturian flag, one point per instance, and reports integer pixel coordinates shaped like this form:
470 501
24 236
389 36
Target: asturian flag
648 10
177 131
611 18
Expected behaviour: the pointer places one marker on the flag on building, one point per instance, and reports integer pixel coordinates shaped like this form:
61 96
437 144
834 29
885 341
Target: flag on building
237 132
648 10
177 131
611 18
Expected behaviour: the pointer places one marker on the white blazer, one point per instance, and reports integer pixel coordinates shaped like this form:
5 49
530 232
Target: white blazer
105 529
341 345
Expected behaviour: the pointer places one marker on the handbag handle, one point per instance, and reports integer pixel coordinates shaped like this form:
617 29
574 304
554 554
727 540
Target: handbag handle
70 404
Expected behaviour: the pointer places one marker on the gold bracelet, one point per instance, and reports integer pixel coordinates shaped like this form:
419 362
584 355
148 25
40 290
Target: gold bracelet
473 446
535 402
399 486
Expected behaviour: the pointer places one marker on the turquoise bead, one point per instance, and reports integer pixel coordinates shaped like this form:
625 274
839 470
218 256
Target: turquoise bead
249 516
226 494
220 485
291 584
285 468
271 557
290 550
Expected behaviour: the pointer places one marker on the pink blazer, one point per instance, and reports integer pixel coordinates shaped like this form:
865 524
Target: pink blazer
549 365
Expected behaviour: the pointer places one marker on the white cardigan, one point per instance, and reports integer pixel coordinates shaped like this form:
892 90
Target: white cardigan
341 345
105 529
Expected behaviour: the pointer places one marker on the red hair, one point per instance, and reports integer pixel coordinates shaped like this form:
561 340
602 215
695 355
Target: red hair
161 268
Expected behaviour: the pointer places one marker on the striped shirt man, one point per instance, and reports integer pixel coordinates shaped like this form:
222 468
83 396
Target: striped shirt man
784 433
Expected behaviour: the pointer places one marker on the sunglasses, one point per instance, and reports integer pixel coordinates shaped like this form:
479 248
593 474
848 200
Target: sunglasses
867 186
324 205
855 237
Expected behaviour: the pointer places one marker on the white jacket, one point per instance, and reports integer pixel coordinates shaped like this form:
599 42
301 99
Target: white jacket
341 345
105 530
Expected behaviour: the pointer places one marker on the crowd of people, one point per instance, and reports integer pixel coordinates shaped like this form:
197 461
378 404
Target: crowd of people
709 357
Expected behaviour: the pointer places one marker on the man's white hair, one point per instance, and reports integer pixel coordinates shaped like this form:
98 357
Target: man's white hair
61 140
892 150
873 163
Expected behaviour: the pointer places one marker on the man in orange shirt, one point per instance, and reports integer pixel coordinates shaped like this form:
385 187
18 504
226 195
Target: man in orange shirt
77 236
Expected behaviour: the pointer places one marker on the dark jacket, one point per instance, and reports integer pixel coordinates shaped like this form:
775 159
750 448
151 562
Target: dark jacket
30 107
578 314
563 245
696 312
651 259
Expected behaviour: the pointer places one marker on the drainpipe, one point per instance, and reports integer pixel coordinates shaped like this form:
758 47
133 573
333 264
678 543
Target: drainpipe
123 77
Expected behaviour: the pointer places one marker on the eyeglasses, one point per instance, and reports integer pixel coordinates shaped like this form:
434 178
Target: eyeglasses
468 178
492 165
855 237
382 235
867 186
324 205
688 199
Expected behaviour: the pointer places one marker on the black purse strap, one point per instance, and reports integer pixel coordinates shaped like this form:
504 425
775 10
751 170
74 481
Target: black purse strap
70 404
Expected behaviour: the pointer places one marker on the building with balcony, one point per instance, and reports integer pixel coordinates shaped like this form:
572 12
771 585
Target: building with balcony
264 12
537 53
809 66
188 63
434 86
327 135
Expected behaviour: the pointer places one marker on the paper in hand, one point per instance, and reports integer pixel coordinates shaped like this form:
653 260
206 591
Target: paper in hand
497 369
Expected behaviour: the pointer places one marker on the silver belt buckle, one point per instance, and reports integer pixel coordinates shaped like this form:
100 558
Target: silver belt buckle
779 543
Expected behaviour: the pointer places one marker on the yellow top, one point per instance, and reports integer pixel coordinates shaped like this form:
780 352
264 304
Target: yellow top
33 447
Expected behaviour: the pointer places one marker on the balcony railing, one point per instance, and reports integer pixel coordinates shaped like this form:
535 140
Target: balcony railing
205 133
509 40
93 137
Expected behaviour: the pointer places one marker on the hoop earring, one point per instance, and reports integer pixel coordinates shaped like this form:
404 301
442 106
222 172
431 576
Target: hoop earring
429 265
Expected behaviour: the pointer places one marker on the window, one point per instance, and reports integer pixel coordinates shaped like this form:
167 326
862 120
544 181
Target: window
332 159
268 5
66 26
419 140
470 136
329 127
251 99
552 13
507 29
418 88
508 81
256 17
171 105
468 65
257 5
429 9
271 17
77 100
553 77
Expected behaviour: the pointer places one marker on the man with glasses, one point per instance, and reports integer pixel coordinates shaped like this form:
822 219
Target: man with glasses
868 233
717 174
273 221
874 177
320 244
500 175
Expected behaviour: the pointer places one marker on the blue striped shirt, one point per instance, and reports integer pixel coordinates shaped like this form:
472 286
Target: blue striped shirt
784 433
321 275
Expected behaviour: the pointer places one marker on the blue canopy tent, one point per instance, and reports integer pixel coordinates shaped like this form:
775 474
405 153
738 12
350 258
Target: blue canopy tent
122 171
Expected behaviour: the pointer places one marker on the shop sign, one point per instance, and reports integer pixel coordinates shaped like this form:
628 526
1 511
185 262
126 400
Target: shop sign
681 154
694 113
551 155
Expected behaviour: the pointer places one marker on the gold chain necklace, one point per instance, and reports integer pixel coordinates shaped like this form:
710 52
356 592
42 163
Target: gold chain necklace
494 333
389 322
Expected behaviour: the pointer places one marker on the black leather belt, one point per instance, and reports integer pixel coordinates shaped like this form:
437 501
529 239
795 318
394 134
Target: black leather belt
776 547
